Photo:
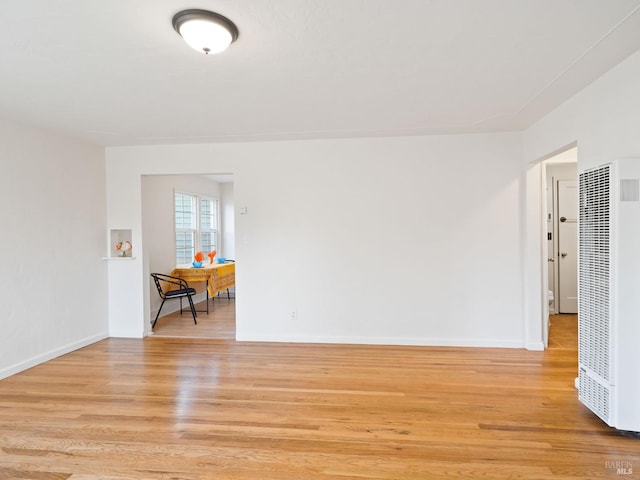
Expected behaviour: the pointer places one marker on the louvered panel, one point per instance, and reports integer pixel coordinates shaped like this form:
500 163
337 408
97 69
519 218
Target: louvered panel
594 271
594 395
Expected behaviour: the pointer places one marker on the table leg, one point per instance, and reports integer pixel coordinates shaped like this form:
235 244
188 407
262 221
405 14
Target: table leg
206 293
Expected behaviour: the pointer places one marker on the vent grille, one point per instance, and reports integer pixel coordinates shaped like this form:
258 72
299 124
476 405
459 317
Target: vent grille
594 395
630 190
594 322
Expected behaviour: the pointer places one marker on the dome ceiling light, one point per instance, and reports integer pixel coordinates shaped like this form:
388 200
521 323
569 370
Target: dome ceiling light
205 31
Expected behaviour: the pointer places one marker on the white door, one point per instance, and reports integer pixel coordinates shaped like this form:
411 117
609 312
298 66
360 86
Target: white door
567 246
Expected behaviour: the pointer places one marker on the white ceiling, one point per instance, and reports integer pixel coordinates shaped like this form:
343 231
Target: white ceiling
116 73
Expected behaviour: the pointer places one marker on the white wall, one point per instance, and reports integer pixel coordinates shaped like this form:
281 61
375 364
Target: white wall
407 240
53 287
227 217
158 225
603 119
413 240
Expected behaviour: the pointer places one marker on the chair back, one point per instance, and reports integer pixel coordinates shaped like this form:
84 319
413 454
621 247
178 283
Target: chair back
157 280
165 283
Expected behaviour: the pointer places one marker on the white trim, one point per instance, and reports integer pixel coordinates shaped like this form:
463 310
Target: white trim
535 305
50 355
391 341
125 334
535 346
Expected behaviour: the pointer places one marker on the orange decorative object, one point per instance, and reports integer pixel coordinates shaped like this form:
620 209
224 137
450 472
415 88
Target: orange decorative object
198 257
211 256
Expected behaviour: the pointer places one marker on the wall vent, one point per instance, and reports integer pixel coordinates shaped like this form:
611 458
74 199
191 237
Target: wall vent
594 395
594 267
608 296
630 190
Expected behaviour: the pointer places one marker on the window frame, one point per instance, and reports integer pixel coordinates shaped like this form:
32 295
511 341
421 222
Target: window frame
214 231
196 229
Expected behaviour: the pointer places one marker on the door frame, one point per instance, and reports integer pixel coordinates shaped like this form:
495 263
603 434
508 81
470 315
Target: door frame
535 251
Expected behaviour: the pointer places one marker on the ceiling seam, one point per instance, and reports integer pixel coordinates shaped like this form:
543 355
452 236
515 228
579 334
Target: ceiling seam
561 74
586 52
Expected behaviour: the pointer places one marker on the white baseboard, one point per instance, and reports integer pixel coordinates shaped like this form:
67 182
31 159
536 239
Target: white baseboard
50 355
402 341
126 333
535 346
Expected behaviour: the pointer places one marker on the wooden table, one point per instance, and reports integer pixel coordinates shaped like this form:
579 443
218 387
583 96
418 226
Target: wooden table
217 276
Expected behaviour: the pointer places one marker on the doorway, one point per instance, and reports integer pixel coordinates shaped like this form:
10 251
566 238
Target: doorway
562 233
159 233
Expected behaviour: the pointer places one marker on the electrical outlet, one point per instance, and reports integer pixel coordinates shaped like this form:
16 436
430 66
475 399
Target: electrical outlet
294 315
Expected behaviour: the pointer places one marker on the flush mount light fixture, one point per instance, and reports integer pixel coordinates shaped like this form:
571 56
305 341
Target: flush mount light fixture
205 31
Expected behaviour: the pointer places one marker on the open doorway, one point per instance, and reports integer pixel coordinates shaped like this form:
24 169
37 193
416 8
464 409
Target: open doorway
162 236
561 227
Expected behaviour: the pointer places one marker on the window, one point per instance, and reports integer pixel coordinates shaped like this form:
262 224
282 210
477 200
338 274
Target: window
196 226
208 225
185 213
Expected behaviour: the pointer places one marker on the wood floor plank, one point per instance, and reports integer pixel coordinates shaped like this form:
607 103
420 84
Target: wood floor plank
219 323
203 408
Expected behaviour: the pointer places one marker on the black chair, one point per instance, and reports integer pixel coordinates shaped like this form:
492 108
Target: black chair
173 287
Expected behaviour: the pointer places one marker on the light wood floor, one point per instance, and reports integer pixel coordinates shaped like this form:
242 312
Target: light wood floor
167 408
219 323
